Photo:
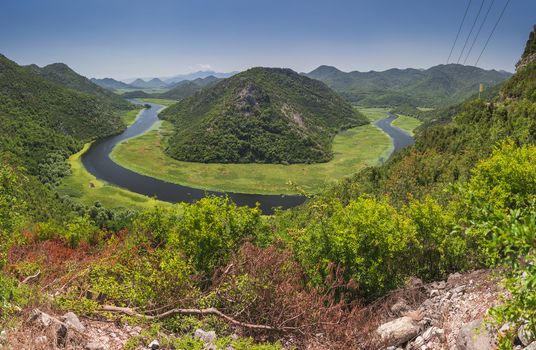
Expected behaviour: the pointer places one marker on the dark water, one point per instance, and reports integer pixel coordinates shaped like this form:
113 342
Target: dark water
97 161
400 138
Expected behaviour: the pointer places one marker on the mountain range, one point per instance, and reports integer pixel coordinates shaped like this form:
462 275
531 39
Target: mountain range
438 86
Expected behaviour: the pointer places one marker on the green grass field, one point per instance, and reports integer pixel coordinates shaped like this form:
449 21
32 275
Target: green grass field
406 123
353 150
130 117
84 187
373 114
160 101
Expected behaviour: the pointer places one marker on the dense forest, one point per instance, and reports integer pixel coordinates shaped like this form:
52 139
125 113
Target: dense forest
263 115
464 197
438 86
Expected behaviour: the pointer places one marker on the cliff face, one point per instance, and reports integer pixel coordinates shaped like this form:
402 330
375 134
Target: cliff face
529 55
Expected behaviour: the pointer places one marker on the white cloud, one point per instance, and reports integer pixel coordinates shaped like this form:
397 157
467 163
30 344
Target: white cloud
202 66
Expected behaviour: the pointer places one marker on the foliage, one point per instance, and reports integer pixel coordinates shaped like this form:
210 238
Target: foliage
260 115
439 86
206 232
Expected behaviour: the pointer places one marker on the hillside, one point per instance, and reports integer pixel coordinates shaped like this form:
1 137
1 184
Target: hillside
438 86
263 115
40 118
111 84
61 74
187 88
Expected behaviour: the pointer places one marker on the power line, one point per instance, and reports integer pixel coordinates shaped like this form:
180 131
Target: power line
478 32
459 30
492 31
471 31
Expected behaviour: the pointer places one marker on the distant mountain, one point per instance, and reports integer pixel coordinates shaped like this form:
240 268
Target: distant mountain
63 75
111 84
199 74
187 88
40 118
151 84
182 89
438 86
266 115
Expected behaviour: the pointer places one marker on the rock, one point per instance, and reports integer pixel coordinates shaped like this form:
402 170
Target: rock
525 335
96 346
474 336
72 321
40 318
206 337
434 293
3 337
41 340
532 346
400 307
398 331
154 345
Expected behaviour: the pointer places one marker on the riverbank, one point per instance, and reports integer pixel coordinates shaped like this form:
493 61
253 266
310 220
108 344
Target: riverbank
87 189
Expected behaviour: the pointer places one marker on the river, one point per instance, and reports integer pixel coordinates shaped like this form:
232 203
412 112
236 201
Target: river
98 162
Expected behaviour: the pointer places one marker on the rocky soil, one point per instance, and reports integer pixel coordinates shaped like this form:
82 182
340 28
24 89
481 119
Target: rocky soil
448 315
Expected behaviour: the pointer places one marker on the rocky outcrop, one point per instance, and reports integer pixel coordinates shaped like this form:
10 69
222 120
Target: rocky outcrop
475 336
398 331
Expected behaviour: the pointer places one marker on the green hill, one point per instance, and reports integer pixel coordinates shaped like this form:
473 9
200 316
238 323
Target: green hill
61 74
39 118
439 86
266 115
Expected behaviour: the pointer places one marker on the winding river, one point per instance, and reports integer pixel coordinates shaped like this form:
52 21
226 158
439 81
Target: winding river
97 161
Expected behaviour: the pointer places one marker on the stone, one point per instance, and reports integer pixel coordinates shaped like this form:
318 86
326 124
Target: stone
96 346
398 331
71 320
474 336
41 340
532 346
40 318
154 345
206 337
525 335
434 293
400 307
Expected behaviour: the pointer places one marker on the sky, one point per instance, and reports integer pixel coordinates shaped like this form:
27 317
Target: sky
147 38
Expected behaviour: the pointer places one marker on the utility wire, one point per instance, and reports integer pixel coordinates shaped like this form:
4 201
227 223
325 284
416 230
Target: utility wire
478 32
471 31
459 30
492 31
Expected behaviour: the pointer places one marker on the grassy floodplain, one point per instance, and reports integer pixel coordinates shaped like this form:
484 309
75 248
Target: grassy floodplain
406 123
353 150
160 101
88 189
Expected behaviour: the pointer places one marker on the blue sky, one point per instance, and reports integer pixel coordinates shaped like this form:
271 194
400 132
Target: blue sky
131 38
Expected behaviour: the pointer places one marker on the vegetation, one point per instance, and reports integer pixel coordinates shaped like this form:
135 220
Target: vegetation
438 86
353 150
406 123
84 188
61 74
262 115
463 197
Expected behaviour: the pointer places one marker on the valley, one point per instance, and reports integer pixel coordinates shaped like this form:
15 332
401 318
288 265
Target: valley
204 192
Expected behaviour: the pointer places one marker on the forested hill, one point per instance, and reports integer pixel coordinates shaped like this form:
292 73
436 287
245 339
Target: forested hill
39 118
438 86
264 115
61 74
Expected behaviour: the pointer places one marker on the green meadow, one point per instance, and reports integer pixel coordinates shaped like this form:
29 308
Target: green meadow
406 123
353 150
